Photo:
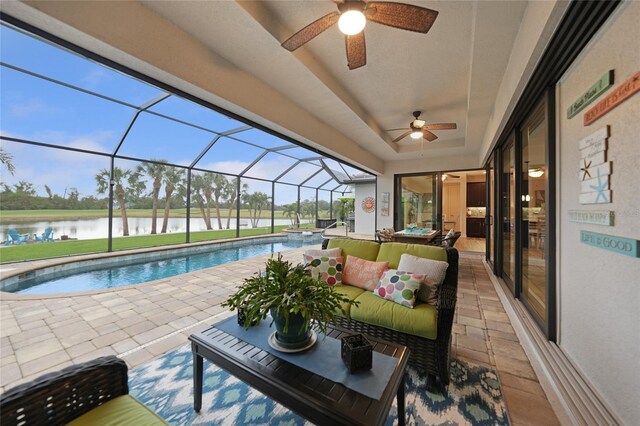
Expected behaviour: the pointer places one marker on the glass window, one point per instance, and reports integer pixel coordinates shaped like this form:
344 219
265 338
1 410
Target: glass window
155 137
318 180
41 111
213 206
286 206
264 139
534 183
229 156
150 198
417 204
299 173
194 113
307 208
270 166
35 55
47 188
508 189
255 207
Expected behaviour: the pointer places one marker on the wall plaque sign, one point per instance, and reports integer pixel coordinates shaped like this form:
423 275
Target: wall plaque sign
598 88
593 217
609 242
594 168
613 99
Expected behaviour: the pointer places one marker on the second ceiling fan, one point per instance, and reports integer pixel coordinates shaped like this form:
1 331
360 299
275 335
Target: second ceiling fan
419 129
351 19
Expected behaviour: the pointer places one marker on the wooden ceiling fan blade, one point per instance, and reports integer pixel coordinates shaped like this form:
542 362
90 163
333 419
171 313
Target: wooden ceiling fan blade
401 15
401 128
428 135
310 31
356 50
402 136
440 126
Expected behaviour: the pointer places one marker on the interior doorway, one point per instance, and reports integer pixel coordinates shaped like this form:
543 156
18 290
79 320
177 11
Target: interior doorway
464 207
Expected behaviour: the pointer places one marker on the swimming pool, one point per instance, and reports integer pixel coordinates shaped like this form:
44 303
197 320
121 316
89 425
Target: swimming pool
134 269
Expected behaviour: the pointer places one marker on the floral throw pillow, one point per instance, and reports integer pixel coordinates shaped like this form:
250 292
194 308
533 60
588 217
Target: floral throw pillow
363 273
325 268
399 287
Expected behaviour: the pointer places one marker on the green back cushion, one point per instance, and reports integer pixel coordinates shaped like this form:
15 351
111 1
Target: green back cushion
391 252
122 410
359 248
421 321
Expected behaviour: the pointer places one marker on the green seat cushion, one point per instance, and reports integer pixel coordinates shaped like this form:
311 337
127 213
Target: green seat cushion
391 252
359 248
122 410
420 321
349 291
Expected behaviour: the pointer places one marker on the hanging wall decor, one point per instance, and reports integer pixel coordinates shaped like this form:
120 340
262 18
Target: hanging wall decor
598 88
369 204
384 208
594 168
613 99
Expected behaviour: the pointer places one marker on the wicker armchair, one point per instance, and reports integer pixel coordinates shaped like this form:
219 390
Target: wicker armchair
58 398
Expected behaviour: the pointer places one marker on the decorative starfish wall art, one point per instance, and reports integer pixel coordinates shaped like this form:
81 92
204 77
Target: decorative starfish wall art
601 188
585 170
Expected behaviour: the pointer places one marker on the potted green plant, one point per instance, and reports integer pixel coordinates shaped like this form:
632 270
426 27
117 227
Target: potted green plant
297 302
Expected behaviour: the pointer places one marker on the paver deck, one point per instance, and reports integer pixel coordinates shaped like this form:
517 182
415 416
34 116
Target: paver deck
39 334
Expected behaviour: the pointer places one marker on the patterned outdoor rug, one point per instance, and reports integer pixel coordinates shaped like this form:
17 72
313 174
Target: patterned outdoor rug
166 386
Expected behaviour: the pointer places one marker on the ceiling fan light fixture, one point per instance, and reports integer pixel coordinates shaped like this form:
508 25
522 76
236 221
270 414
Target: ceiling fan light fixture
416 134
352 22
418 123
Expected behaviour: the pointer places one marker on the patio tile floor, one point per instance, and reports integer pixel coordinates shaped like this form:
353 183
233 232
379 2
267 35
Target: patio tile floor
42 334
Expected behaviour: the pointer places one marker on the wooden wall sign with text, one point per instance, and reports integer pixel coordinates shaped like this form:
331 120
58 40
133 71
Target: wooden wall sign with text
598 88
594 168
613 99
609 242
592 217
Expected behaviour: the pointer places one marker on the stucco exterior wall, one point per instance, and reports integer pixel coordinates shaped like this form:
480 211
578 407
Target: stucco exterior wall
598 290
365 221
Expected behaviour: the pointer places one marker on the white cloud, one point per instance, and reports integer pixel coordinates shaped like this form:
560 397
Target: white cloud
95 78
29 107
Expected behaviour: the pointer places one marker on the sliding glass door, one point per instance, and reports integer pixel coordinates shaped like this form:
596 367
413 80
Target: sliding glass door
416 201
534 241
508 212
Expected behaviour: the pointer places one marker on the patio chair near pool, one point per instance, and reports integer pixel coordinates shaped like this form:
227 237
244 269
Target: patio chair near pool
16 238
47 235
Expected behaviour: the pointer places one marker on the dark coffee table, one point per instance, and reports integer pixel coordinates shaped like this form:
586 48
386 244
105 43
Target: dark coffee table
319 400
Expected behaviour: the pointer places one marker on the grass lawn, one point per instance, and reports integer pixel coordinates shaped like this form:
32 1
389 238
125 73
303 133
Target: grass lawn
75 247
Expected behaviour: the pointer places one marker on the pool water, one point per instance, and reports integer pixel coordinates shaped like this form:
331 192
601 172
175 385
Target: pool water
100 277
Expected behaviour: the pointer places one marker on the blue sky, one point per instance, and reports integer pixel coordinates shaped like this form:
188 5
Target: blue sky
35 109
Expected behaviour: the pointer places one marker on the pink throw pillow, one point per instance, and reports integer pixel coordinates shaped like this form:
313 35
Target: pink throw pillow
363 273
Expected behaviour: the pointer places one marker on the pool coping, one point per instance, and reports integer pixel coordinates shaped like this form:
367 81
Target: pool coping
27 267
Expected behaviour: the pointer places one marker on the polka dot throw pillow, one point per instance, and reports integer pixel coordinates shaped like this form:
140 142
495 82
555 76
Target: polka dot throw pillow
399 287
325 268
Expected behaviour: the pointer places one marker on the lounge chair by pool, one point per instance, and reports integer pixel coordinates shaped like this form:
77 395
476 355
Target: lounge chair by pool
47 235
17 238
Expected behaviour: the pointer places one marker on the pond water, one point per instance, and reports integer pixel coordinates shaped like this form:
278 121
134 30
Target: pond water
84 229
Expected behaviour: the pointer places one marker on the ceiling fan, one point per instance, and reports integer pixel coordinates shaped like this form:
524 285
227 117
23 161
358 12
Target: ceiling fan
419 129
351 19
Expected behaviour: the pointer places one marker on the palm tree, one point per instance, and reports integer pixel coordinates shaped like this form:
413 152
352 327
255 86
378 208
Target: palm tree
199 183
156 172
219 184
173 179
290 210
255 202
231 194
6 160
124 180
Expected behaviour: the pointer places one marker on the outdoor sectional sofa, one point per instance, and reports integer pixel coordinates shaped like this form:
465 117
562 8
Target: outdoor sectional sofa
425 329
